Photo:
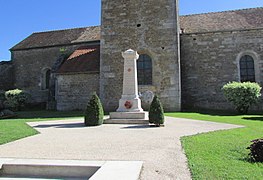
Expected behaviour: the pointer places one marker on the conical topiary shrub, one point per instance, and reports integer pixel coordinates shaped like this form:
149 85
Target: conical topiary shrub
94 113
156 113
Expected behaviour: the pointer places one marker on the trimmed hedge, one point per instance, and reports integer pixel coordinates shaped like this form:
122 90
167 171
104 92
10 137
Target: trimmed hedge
94 113
156 113
242 95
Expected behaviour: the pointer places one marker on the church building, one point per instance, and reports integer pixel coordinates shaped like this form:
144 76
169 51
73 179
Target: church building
185 60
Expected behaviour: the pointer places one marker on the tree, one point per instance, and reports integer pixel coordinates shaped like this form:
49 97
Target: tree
242 95
94 113
16 99
156 113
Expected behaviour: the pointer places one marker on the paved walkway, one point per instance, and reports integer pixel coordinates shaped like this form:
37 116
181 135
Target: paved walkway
159 148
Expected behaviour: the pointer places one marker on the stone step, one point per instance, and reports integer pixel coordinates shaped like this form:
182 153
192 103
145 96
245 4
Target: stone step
54 172
48 169
37 169
126 121
129 115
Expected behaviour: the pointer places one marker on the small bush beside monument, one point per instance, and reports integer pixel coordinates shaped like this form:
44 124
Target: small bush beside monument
242 95
156 113
94 113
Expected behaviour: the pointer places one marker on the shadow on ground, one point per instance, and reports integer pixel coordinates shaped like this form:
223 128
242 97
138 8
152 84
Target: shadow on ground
221 112
71 125
48 114
260 118
140 127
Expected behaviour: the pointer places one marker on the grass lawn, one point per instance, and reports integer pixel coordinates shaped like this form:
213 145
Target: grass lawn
215 155
223 154
14 129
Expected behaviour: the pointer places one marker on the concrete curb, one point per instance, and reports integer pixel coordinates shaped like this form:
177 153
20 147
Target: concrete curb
77 169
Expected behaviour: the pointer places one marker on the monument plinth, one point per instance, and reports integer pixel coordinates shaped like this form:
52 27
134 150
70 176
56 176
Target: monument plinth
130 110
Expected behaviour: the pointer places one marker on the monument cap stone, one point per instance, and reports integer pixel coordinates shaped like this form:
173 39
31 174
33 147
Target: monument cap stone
130 54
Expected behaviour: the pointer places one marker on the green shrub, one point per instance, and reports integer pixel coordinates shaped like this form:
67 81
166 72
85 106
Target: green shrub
156 113
94 113
242 95
15 99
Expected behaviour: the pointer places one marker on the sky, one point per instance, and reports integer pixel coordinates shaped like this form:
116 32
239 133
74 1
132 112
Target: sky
20 18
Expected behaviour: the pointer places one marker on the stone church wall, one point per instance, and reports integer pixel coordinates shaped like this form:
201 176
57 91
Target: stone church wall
210 60
28 65
6 75
130 25
73 91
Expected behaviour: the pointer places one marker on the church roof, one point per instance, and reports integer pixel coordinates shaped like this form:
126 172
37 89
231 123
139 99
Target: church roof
59 37
217 21
84 59
222 21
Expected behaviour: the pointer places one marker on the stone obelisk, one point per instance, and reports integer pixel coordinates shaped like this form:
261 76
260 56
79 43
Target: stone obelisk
130 110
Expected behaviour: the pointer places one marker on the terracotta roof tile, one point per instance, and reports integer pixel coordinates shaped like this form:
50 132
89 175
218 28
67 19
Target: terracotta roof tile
80 52
84 59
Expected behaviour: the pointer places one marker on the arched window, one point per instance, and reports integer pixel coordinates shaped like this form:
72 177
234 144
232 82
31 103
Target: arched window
247 69
45 79
144 69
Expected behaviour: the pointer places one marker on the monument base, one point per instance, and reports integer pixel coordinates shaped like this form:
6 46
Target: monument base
128 118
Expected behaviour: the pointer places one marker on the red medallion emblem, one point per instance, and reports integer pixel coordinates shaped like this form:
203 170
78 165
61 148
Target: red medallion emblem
128 104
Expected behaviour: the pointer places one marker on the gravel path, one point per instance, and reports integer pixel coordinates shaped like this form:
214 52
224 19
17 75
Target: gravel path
159 148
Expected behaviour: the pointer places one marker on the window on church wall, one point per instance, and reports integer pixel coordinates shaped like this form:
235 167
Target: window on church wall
247 69
144 70
45 80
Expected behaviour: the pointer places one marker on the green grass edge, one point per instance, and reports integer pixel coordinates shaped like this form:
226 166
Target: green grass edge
222 154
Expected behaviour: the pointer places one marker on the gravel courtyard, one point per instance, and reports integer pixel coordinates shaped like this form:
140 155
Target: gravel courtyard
159 148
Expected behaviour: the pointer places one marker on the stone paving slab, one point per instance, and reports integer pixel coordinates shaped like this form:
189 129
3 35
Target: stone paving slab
159 148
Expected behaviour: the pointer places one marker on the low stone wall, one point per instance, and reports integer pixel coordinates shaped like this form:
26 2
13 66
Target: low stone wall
210 60
6 75
73 91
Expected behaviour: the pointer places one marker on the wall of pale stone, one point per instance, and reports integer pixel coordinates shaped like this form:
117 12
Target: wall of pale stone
28 65
6 75
73 91
143 27
210 60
